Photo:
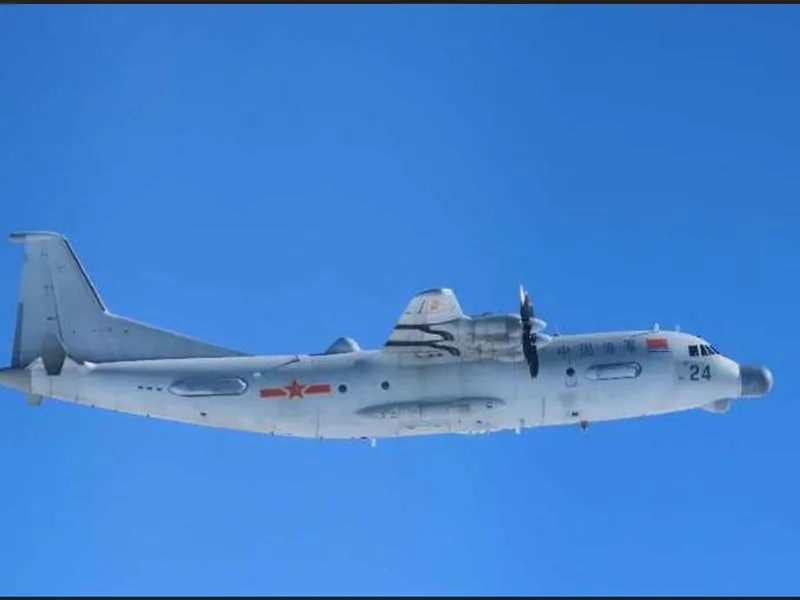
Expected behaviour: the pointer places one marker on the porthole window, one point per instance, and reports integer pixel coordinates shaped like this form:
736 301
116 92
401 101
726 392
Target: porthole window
385 385
342 388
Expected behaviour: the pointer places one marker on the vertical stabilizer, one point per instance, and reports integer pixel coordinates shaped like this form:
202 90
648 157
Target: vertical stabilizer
60 313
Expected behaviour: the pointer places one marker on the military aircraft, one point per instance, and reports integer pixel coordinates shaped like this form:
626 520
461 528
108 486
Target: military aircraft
439 371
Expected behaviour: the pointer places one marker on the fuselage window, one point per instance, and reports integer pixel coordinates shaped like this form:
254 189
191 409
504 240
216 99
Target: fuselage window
704 350
693 350
211 386
614 371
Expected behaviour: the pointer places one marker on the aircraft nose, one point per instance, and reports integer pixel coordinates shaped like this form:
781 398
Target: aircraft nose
756 380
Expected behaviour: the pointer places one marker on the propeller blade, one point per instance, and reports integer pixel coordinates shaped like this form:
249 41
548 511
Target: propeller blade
526 309
526 315
533 362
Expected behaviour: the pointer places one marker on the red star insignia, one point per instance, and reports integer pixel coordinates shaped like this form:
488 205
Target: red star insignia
295 389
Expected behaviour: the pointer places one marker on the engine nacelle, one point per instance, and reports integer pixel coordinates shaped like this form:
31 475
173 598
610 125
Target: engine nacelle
498 335
496 329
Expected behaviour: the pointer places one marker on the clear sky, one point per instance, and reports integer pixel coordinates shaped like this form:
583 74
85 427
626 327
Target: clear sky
272 177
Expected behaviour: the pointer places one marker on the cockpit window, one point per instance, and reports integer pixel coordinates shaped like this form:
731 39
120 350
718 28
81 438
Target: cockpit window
703 349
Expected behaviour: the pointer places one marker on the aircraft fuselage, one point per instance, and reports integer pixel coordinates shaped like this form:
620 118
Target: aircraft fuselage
373 394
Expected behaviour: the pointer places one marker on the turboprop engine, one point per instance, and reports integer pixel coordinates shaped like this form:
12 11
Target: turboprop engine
504 336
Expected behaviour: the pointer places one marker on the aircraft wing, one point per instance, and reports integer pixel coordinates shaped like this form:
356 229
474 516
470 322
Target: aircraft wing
416 330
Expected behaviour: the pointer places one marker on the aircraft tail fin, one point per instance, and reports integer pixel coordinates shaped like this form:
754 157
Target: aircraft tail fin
60 313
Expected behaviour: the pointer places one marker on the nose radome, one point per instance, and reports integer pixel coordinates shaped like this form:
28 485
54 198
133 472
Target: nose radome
756 380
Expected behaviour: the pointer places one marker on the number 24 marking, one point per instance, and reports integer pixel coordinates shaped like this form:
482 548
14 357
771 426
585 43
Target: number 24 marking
695 374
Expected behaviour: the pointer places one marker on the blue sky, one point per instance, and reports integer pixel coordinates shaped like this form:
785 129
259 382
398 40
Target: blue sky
272 177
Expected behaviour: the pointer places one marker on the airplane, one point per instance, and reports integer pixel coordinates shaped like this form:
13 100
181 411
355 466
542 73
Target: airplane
439 372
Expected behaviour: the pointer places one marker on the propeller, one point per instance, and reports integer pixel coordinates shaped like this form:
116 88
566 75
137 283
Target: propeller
527 317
